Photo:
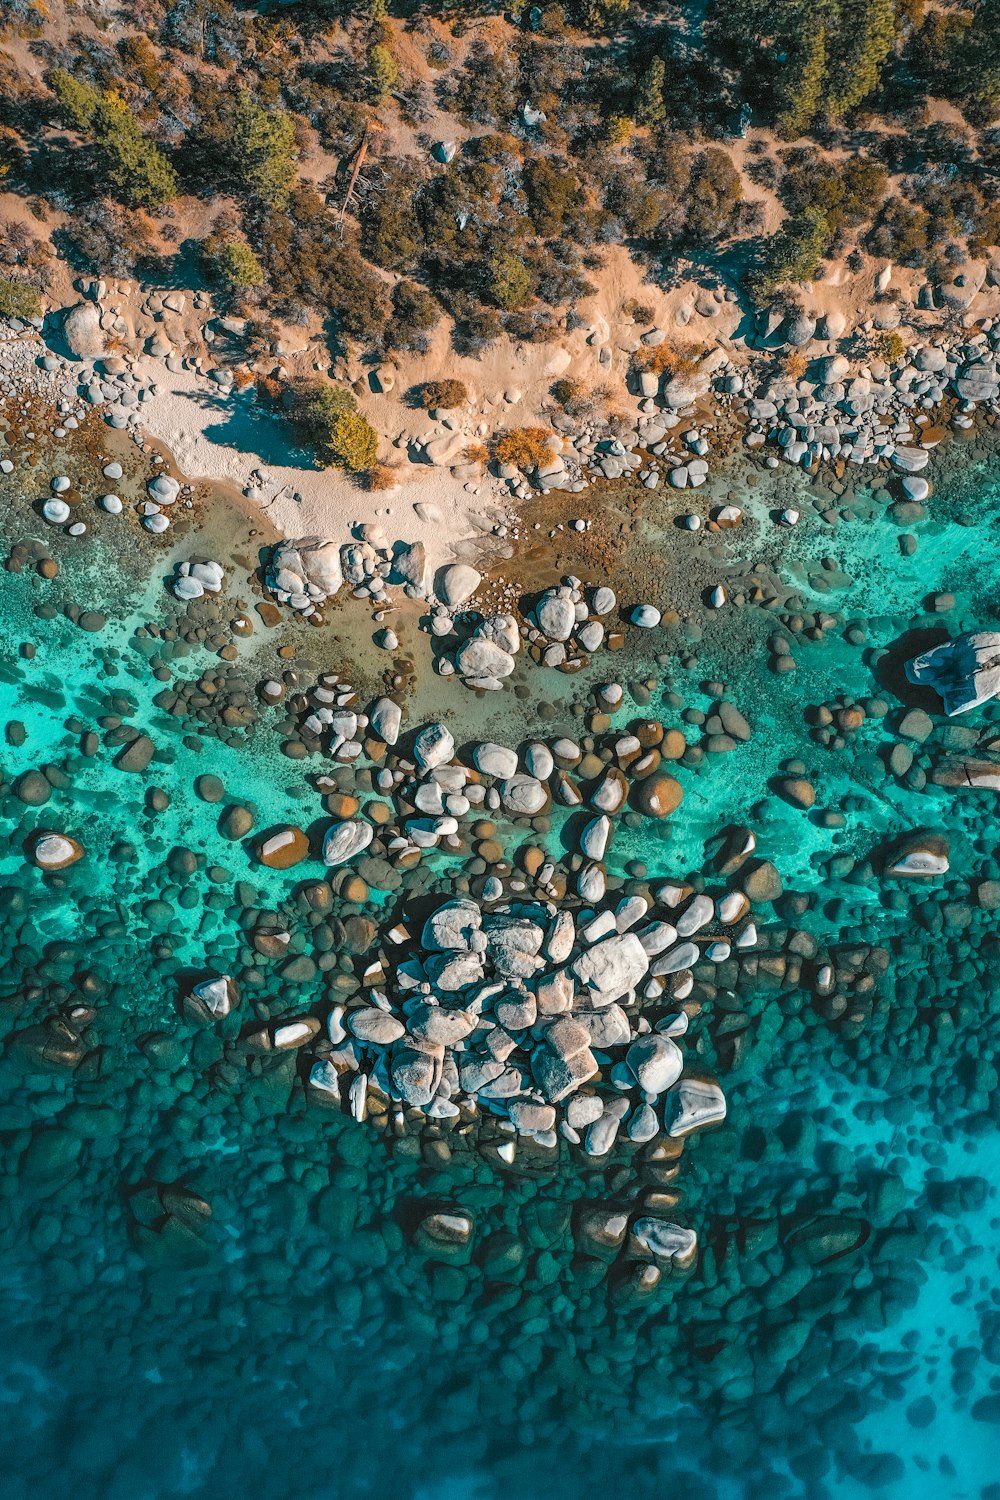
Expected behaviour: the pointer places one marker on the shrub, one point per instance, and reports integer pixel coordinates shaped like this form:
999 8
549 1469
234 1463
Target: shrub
390 230
885 344
443 394
666 361
18 300
508 281
310 262
567 391
381 477
715 193
329 422
105 238
794 253
553 193
233 262
415 313
524 447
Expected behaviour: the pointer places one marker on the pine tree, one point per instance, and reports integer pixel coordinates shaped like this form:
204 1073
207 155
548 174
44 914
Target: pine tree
979 61
134 165
78 101
867 33
262 142
651 108
383 69
804 92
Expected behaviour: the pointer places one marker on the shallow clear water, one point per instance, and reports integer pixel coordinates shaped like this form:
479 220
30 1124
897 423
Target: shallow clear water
297 1342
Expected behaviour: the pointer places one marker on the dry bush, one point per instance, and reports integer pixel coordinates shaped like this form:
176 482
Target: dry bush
667 361
382 477
885 344
270 391
477 453
796 363
443 394
524 447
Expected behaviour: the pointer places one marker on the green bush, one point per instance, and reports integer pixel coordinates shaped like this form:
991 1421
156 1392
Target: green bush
329 422
262 144
794 253
234 263
508 281
18 300
415 313
383 71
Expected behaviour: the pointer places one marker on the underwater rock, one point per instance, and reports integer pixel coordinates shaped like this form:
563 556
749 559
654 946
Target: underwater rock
55 851
695 1102
921 856
219 996
283 848
658 796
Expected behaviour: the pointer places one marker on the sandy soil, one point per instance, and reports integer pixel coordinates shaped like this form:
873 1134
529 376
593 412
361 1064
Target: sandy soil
226 440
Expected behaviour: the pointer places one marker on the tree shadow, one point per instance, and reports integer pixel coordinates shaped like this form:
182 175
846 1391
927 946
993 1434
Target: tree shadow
250 429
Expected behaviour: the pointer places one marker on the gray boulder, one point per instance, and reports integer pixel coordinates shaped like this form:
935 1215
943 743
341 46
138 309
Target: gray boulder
965 672
82 331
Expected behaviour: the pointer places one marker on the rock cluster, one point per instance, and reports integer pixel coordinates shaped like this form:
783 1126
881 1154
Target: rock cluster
548 1005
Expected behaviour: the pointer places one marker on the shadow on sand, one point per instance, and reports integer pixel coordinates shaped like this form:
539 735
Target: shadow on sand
250 429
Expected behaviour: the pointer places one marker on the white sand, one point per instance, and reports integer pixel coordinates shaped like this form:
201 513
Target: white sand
225 438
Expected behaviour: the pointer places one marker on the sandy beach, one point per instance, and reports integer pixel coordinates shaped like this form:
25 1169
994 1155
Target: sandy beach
226 438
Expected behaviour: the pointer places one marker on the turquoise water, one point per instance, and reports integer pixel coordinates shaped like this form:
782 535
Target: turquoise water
296 1339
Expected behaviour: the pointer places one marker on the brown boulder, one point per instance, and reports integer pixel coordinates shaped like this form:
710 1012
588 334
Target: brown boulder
658 796
283 848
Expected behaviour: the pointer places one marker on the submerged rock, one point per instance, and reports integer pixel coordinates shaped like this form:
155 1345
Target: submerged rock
283 848
922 856
55 851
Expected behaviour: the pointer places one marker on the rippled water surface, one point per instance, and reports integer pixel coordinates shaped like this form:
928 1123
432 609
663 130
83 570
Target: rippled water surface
295 1340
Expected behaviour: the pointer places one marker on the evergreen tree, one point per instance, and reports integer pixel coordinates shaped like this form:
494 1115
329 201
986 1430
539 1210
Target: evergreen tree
804 89
978 62
262 145
383 70
651 108
329 422
867 32
233 262
794 253
132 163
78 101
